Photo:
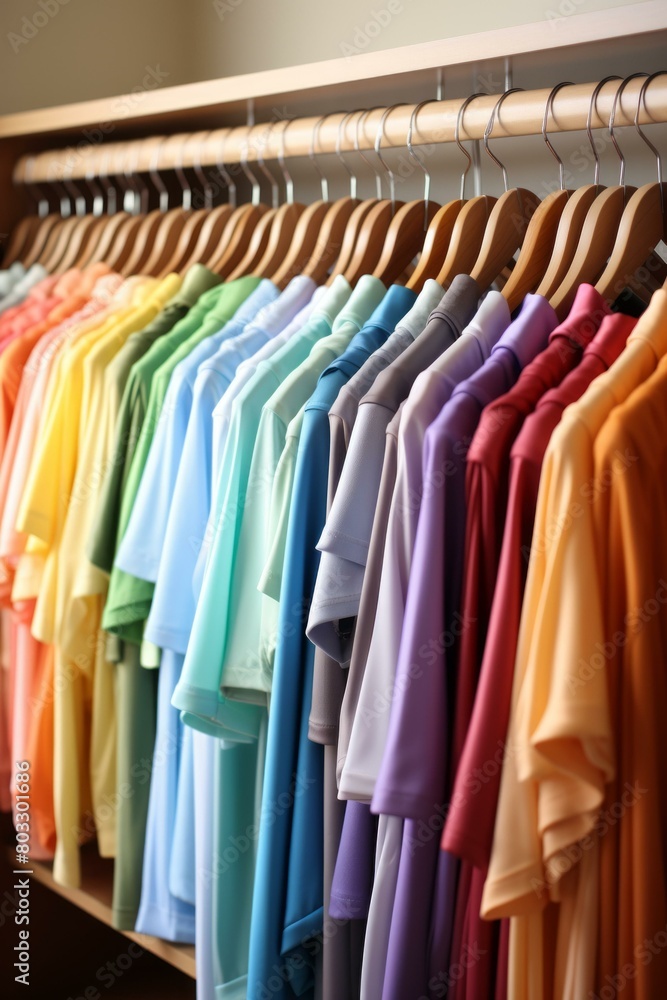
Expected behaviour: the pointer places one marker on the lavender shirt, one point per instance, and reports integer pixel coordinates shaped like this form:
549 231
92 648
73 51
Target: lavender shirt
413 777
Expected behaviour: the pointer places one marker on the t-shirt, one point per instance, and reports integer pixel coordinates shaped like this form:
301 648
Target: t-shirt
557 806
431 390
166 327
413 783
161 911
198 691
347 534
487 474
130 594
328 680
287 912
173 607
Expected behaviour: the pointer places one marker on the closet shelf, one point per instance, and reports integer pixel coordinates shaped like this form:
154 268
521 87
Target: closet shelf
94 897
204 104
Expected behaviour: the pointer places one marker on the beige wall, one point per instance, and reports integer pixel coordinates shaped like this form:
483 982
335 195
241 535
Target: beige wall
90 48
83 49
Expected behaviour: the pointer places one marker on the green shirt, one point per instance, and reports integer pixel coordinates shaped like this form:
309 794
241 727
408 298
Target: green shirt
215 625
247 666
135 354
215 308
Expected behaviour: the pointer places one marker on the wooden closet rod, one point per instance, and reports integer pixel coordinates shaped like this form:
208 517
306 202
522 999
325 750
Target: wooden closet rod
521 114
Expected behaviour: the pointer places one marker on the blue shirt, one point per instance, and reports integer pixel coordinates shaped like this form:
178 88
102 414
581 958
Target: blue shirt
287 902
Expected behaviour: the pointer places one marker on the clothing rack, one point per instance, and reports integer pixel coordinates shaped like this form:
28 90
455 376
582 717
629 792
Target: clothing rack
522 114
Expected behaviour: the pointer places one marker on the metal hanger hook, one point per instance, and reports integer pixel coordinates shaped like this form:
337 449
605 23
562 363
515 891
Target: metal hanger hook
589 130
98 193
275 190
222 170
186 187
612 117
417 159
378 143
339 140
157 180
654 150
256 190
457 140
489 129
43 204
548 109
207 187
363 115
289 183
109 188
324 183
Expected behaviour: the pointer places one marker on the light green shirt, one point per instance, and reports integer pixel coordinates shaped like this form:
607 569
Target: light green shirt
198 691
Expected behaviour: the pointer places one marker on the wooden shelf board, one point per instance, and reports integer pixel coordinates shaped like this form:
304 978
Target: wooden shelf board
198 102
94 897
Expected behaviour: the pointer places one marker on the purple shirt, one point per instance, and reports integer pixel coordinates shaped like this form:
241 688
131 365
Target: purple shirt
413 777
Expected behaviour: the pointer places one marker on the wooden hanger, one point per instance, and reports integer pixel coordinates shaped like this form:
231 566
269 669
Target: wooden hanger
643 223
362 232
537 249
339 220
22 238
211 233
508 221
600 227
30 234
238 234
318 234
443 228
407 229
100 247
574 215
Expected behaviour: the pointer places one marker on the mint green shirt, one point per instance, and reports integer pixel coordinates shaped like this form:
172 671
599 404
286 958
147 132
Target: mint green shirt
248 664
198 694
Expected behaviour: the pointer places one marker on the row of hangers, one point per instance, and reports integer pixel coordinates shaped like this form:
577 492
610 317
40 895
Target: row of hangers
592 234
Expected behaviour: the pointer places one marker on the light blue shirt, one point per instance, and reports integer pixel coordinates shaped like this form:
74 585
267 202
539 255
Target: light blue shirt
141 546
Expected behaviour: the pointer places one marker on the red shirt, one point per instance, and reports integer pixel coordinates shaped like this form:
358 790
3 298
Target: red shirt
487 490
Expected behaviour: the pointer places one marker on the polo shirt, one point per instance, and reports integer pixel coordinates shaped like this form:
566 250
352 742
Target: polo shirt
468 832
423 686
432 389
103 540
198 691
161 911
568 468
487 473
21 288
328 681
136 689
346 538
172 608
9 277
287 912
348 874
361 347
130 593
46 516
246 674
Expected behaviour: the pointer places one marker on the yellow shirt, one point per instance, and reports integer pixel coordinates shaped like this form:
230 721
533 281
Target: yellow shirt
44 514
560 735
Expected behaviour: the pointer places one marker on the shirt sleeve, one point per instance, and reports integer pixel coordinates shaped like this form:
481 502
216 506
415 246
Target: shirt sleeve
561 618
173 607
